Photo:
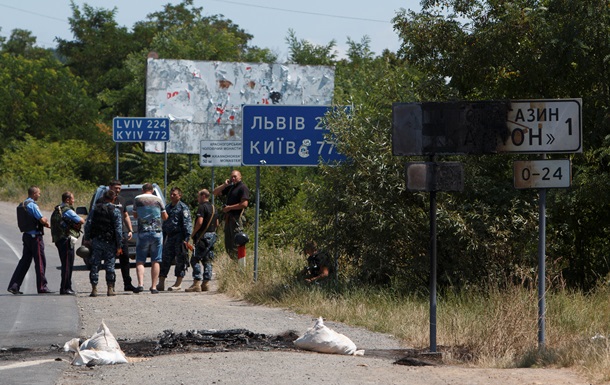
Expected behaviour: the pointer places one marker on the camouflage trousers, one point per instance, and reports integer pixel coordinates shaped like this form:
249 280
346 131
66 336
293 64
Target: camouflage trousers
102 251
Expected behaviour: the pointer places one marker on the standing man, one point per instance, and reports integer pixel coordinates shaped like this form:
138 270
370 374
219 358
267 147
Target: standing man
65 230
31 223
238 195
119 201
176 233
204 237
103 233
150 212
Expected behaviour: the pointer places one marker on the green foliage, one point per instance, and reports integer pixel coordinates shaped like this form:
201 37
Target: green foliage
22 43
524 50
43 99
42 163
99 48
305 53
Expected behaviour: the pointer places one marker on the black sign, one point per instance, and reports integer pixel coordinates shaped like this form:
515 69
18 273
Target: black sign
449 128
434 176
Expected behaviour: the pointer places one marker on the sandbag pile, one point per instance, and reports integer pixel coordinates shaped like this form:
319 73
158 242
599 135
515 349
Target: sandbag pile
320 338
101 349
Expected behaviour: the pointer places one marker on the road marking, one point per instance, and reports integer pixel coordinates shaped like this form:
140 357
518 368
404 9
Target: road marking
25 364
15 251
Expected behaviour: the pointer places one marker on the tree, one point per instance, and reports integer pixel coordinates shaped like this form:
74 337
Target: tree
42 98
306 53
528 49
21 42
99 49
39 162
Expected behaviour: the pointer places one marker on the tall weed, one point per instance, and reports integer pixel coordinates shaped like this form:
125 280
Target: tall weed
489 327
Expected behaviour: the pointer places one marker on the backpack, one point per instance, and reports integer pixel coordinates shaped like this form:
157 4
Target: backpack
58 227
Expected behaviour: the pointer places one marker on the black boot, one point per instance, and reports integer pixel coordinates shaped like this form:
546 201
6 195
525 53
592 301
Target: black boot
128 285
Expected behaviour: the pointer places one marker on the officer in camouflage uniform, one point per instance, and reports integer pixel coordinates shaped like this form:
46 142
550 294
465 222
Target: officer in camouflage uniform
103 235
204 237
176 233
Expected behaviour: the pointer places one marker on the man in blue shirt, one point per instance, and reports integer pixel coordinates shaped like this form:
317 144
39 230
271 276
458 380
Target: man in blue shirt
31 223
67 232
176 233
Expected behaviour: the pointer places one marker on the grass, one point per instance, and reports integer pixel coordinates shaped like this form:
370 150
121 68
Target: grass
50 195
485 328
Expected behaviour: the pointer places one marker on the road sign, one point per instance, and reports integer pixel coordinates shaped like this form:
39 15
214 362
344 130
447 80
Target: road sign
543 173
280 135
140 129
435 176
220 153
487 127
544 126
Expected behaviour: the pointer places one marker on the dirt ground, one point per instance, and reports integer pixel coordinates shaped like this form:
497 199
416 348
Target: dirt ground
140 321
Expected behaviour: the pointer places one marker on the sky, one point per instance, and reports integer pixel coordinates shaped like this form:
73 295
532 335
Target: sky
317 21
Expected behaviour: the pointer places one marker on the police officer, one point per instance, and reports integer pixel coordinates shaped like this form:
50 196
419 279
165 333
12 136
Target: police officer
176 233
103 235
64 237
31 223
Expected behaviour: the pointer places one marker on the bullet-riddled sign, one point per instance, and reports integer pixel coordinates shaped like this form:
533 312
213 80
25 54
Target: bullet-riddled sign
487 127
287 136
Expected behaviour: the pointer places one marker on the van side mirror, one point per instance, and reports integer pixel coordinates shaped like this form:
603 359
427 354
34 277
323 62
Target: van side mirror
82 210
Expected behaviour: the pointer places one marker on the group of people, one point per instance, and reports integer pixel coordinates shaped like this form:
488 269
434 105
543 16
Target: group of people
31 222
164 235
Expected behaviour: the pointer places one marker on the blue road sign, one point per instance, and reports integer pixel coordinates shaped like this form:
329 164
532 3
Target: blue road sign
280 135
140 129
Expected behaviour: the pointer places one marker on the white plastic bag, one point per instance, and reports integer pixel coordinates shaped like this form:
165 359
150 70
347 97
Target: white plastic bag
321 339
101 349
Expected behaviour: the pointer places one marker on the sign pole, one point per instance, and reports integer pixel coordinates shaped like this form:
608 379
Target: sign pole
541 265
433 263
117 161
165 169
212 185
258 196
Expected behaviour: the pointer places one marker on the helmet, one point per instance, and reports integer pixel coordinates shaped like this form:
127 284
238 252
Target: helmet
83 252
240 238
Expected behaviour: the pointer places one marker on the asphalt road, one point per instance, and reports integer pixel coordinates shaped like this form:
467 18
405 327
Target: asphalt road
37 322
45 322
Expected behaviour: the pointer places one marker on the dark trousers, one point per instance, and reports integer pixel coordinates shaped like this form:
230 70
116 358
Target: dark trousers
232 225
125 264
174 251
66 257
33 249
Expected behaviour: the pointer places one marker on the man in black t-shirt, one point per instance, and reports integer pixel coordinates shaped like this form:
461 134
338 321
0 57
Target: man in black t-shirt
238 195
319 265
204 238
124 261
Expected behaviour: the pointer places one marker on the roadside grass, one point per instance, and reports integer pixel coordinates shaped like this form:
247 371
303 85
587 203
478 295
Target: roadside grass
483 327
11 191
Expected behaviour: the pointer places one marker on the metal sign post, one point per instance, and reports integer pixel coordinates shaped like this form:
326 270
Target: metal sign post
535 126
434 176
140 130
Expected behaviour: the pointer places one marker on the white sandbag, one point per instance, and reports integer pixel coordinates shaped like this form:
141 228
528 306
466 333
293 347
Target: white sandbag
321 339
101 340
101 349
